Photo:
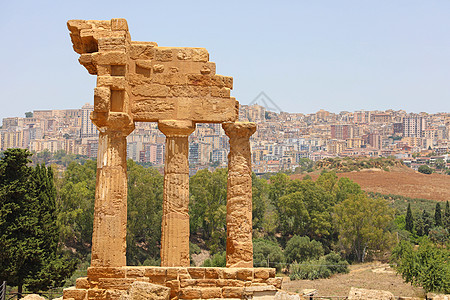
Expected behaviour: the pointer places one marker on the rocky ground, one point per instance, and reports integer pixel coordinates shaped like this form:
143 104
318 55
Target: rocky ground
372 275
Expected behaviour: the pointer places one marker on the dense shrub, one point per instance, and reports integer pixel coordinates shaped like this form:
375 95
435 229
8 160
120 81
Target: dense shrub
438 235
428 266
217 260
335 263
267 254
311 269
324 267
301 248
425 169
194 248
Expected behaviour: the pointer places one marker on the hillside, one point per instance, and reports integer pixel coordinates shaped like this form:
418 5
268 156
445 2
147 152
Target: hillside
399 181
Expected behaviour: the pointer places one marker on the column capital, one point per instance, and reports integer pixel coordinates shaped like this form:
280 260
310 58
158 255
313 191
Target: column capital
176 128
239 129
113 121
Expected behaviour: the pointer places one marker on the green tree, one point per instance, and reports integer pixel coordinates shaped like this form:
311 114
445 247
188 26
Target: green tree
207 207
301 248
437 215
425 169
427 221
427 266
43 157
440 164
328 181
419 227
306 212
267 253
438 235
144 213
409 219
29 241
28 114
75 200
345 188
446 221
259 201
305 165
362 224
217 260
278 188
400 222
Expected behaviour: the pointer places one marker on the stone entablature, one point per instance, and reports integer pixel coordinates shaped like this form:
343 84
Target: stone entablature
140 81
184 283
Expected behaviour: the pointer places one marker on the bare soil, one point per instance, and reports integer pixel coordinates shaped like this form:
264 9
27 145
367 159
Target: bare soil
399 181
200 258
374 275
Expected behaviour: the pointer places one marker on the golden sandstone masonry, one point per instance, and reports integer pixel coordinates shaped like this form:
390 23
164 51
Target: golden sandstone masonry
176 87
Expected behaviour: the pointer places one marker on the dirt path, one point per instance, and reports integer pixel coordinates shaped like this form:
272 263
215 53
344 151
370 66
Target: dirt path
368 276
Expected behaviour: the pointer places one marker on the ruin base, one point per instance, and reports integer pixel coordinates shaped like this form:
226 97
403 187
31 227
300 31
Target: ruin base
184 283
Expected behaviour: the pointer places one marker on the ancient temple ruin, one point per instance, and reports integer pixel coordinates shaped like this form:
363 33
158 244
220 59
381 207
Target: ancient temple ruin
176 87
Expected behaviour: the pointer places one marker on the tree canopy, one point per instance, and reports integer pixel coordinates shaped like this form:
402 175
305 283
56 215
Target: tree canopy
30 253
363 223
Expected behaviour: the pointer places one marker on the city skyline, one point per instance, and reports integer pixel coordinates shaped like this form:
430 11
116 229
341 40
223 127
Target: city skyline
305 56
282 141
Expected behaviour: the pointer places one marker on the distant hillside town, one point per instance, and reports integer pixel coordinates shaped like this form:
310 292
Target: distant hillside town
282 141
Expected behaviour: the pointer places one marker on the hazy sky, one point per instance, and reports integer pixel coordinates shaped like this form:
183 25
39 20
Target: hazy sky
305 55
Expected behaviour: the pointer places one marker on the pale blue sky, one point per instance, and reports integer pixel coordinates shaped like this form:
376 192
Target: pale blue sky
305 55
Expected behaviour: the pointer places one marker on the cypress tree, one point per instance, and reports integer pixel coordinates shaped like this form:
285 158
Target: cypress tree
446 220
427 222
29 251
409 219
437 215
420 230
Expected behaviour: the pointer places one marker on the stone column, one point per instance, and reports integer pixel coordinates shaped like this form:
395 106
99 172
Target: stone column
175 220
110 216
239 195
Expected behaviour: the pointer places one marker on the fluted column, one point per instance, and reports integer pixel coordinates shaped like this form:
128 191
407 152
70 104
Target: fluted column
110 215
239 195
175 220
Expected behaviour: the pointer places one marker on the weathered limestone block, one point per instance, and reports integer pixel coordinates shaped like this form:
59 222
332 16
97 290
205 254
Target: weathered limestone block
194 107
150 90
96 294
282 295
434 296
239 196
261 292
82 283
197 273
110 58
262 273
33 297
112 44
233 292
72 292
211 293
115 283
143 291
276 282
364 294
175 221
